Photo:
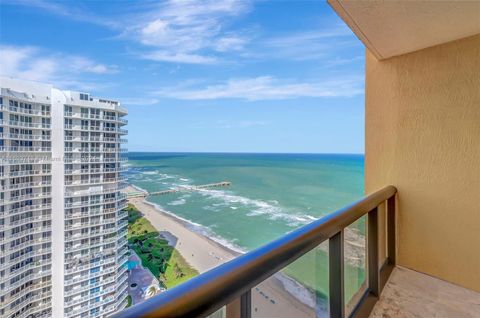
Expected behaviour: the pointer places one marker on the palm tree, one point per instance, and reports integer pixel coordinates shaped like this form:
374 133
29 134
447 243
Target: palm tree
152 290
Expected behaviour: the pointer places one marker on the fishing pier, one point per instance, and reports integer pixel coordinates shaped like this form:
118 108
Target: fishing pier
185 188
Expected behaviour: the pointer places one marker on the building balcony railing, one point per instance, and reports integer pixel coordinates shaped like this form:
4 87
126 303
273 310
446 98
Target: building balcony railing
72 269
97 149
230 284
89 307
122 214
24 185
22 270
42 310
92 181
24 148
38 218
27 290
78 225
94 192
88 276
36 195
30 208
79 299
78 289
121 294
31 277
33 112
25 136
79 247
95 139
23 173
94 170
28 124
79 236
33 298
90 212
32 243
82 203
121 260
32 231
91 128
90 159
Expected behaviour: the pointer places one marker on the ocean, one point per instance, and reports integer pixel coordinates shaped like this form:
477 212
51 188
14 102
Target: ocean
269 195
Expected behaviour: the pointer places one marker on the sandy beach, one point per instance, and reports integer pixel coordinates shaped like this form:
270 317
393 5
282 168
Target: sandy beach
269 299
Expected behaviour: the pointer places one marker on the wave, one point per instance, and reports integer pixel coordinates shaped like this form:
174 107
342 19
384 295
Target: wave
150 172
300 292
138 188
177 202
292 286
271 209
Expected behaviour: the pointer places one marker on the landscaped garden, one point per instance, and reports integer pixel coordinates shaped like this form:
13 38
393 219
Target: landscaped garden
163 260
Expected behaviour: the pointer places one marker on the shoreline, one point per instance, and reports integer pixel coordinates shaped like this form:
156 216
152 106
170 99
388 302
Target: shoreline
270 298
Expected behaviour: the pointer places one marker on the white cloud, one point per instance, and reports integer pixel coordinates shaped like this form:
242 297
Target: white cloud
323 44
202 32
230 43
67 11
178 57
33 63
182 31
267 88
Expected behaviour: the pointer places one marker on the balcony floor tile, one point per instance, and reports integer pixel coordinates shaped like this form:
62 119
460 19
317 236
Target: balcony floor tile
410 294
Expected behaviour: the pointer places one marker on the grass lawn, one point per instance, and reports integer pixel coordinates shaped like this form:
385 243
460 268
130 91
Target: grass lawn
163 260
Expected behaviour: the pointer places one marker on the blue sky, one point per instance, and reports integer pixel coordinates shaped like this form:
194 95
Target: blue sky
227 76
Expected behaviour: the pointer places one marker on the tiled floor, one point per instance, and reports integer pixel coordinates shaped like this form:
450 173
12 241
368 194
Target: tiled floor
411 294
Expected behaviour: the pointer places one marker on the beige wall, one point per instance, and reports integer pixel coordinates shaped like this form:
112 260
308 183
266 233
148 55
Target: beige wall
423 136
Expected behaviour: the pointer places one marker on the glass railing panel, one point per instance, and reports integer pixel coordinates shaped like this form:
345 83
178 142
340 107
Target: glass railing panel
354 263
221 313
299 290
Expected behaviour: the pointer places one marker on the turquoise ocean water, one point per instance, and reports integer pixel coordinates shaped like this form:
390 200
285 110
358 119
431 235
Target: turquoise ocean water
270 195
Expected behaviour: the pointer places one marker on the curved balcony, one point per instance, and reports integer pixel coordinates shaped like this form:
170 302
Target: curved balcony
78 289
16 123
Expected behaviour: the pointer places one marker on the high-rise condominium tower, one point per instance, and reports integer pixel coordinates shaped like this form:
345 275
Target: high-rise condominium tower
63 248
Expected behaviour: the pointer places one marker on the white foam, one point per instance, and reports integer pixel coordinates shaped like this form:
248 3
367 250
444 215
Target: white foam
138 188
177 202
300 292
270 209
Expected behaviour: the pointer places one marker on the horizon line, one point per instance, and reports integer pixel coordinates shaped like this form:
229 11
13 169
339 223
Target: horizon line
264 153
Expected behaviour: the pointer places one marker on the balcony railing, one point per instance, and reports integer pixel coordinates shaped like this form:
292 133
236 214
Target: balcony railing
26 148
230 284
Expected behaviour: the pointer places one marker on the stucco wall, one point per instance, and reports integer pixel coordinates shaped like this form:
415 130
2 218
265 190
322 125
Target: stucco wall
423 136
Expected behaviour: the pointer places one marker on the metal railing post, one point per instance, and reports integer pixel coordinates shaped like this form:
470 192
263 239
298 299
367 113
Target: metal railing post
372 251
391 243
336 276
240 307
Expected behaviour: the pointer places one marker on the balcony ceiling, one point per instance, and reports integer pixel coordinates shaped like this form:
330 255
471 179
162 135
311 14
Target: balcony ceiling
390 28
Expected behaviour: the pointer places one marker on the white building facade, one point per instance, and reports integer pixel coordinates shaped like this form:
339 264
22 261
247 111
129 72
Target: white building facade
63 246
